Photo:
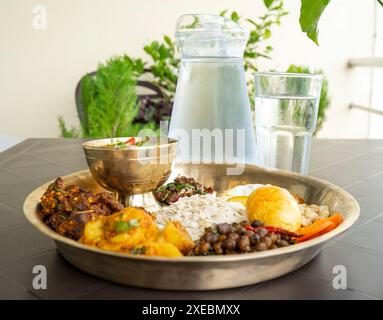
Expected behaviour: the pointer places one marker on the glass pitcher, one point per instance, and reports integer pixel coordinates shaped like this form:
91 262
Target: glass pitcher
211 117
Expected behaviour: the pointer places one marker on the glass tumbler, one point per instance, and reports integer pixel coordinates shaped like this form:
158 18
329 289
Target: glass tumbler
286 111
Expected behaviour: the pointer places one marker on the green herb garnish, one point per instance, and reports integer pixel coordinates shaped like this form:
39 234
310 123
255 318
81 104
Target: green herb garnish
118 144
144 142
125 226
139 250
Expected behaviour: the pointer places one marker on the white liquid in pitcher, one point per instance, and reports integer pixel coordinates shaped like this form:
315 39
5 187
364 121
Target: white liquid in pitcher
212 94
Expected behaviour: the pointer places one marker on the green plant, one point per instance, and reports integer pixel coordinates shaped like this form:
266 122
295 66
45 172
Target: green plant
164 65
324 101
310 14
109 101
65 132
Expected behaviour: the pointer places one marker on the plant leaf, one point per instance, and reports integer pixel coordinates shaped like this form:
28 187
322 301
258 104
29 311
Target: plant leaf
223 13
234 16
268 3
311 11
253 22
168 41
267 34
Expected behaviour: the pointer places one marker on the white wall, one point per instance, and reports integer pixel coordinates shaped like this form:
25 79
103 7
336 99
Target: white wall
40 68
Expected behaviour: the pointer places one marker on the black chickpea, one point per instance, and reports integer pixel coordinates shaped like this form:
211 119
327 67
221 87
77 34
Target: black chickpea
254 238
248 233
217 247
236 225
212 237
238 238
256 224
242 231
204 247
224 228
222 237
233 235
229 244
261 246
244 243
267 240
262 232
274 237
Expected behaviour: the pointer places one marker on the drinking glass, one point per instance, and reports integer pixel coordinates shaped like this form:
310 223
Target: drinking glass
286 111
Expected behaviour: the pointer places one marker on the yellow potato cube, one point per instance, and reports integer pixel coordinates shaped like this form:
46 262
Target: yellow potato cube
175 233
93 232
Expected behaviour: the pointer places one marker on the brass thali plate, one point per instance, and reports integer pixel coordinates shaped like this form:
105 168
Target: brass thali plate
209 272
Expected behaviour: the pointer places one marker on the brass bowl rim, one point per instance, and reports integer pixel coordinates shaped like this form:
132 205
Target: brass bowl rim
30 212
86 145
139 159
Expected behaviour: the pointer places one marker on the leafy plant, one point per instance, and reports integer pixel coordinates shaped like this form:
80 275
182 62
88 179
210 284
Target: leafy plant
65 132
324 101
109 100
310 14
165 65
154 110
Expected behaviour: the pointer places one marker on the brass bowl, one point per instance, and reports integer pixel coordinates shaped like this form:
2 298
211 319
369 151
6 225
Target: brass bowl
132 173
210 272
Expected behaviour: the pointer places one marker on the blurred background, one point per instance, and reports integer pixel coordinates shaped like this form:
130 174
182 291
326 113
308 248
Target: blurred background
47 46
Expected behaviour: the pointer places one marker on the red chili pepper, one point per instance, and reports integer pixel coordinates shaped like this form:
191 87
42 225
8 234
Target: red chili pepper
130 141
275 230
250 228
282 231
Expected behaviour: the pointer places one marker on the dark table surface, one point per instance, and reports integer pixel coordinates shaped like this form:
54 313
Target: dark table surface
355 165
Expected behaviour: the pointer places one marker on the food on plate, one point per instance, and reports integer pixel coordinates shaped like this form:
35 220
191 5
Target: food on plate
274 206
194 219
180 187
241 237
131 142
127 229
133 231
242 190
66 209
175 233
312 213
239 199
199 212
299 199
158 247
319 227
